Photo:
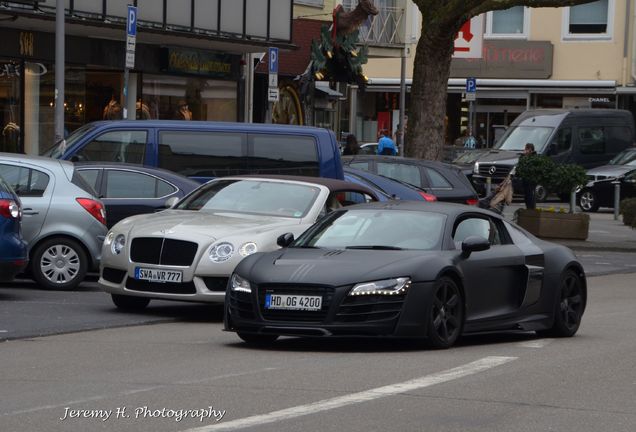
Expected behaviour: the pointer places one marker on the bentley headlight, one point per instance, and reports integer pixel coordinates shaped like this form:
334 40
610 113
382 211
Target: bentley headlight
221 252
118 244
248 249
240 285
476 168
395 286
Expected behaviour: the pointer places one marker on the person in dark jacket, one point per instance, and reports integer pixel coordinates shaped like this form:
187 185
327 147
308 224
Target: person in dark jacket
528 185
351 147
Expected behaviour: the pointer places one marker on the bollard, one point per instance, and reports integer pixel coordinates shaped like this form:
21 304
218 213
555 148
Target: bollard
617 197
488 185
573 201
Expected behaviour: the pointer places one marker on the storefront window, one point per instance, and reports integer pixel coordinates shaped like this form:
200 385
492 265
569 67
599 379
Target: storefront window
189 98
10 105
39 106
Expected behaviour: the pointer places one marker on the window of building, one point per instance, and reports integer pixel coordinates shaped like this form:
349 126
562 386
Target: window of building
508 23
589 21
317 3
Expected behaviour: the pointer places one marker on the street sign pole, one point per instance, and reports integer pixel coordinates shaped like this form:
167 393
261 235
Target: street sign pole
471 93
131 42
272 91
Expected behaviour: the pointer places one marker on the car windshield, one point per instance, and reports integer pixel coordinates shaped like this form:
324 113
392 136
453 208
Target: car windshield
626 157
57 150
517 137
376 229
253 196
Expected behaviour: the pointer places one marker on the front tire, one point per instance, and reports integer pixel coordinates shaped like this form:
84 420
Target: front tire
446 315
130 303
59 264
569 307
257 339
588 201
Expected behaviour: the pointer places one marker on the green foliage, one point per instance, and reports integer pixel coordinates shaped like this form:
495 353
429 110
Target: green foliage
558 178
628 210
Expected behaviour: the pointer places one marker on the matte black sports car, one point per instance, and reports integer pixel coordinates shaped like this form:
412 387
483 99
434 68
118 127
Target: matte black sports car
407 269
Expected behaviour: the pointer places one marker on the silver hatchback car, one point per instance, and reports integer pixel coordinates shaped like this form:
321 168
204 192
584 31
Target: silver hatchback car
63 223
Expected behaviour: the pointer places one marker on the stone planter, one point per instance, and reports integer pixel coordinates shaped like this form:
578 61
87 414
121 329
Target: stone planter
546 224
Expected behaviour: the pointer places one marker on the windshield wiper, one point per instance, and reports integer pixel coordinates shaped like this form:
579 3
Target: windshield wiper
375 247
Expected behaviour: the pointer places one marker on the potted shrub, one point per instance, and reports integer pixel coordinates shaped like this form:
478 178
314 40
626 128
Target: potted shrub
559 178
628 210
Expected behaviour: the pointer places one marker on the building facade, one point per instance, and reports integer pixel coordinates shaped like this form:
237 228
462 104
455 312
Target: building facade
189 62
567 57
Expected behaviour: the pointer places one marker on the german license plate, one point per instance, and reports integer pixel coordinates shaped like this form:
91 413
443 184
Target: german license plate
158 275
293 302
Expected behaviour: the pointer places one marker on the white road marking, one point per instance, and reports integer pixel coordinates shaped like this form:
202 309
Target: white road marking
602 263
4 331
480 365
130 392
539 343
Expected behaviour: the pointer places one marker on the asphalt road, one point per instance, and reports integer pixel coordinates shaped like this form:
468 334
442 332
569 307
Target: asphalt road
158 377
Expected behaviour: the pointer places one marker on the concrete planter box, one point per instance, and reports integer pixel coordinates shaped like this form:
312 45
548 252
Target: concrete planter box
547 224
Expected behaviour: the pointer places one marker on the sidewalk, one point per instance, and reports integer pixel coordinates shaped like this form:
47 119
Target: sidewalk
605 233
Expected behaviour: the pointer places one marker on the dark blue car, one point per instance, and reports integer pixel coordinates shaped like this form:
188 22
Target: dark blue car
385 186
13 250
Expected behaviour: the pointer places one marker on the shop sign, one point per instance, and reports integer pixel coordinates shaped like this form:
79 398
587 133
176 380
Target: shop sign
201 63
13 70
508 59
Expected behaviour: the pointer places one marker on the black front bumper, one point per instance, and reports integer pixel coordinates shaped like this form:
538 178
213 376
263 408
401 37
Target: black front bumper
341 315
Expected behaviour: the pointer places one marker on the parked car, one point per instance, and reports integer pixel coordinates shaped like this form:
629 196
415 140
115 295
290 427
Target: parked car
64 223
622 163
409 270
600 193
188 252
587 137
445 181
388 187
204 150
13 249
128 189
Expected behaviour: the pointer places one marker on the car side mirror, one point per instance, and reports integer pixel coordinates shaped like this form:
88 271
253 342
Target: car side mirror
170 202
474 244
285 240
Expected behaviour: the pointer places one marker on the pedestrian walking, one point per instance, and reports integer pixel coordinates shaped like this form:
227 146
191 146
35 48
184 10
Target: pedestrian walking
529 186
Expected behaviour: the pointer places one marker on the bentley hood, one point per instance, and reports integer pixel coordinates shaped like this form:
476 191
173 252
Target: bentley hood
200 225
335 266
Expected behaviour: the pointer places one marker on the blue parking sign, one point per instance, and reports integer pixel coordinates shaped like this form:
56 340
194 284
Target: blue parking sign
273 60
131 21
471 85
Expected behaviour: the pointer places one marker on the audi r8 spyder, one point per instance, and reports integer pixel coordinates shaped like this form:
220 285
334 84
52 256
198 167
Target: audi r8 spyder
407 269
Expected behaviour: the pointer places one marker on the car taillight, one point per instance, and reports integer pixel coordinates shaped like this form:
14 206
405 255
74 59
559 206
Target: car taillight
428 197
472 201
95 208
9 209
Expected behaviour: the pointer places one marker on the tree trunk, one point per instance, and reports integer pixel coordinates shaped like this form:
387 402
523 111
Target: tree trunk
427 111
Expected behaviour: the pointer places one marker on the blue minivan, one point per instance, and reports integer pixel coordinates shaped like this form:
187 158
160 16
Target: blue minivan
204 150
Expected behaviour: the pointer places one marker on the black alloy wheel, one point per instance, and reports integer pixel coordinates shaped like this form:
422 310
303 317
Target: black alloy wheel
130 303
257 339
588 201
569 307
446 314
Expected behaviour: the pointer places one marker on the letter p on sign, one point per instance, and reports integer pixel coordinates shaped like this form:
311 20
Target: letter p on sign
131 21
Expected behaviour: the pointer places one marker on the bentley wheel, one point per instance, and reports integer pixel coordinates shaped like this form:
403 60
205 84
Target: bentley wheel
569 308
257 339
59 264
130 303
588 201
446 314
